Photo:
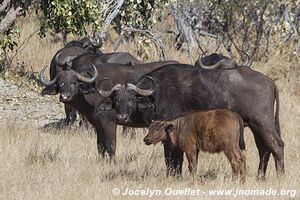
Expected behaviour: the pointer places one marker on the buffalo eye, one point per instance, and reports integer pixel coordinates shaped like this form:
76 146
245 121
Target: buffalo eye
157 128
61 85
131 101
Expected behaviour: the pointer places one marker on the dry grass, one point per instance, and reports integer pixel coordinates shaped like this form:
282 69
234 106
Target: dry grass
63 164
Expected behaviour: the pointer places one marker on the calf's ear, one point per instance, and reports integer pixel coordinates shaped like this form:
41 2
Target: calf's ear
50 90
144 103
169 128
85 88
104 107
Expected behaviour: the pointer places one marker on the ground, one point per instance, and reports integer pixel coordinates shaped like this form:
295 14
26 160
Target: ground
24 105
38 163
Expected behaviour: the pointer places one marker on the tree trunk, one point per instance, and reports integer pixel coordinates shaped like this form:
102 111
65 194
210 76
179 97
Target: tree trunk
9 19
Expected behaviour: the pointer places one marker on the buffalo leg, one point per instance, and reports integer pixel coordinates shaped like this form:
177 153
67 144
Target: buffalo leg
110 138
100 141
192 156
232 157
128 130
277 149
108 127
83 121
268 141
125 131
237 161
173 159
264 156
70 114
106 142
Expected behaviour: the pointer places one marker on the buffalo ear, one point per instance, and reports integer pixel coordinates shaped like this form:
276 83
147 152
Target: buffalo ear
85 88
104 107
170 128
50 90
85 41
144 104
86 44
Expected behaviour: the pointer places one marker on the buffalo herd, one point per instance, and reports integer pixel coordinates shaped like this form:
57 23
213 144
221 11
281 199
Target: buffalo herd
205 106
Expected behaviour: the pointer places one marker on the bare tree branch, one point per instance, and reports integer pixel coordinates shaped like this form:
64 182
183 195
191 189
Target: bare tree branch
9 19
154 37
288 19
22 46
110 17
203 33
259 28
110 5
4 5
185 30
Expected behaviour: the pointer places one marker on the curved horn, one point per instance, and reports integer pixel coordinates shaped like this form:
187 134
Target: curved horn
104 93
44 81
97 43
57 59
249 59
67 61
208 66
88 80
143 92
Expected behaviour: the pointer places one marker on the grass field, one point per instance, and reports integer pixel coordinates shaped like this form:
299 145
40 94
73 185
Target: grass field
63 164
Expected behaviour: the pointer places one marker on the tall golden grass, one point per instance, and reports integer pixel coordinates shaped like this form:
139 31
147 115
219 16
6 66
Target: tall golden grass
37 164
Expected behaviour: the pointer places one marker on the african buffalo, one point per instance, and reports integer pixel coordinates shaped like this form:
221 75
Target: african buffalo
81 92
76 56
61 58
212 131
176 89
80 53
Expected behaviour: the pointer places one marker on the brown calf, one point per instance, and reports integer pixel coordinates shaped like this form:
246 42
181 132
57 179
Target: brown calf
211 131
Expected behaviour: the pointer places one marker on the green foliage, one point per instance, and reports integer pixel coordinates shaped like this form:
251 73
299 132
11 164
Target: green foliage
7 43
141 14
70 16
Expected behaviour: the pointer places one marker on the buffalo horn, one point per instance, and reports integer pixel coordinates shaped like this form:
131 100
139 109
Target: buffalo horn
215 66
143 92
88 80
44 81
67 61
249 59
104 93
97 43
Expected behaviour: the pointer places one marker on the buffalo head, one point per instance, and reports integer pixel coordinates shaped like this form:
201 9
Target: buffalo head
68 83
159 131
91 43
128 99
